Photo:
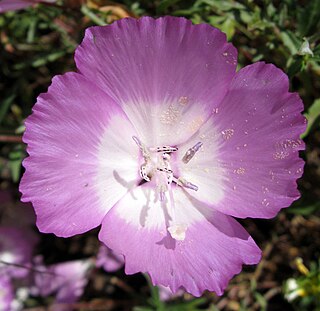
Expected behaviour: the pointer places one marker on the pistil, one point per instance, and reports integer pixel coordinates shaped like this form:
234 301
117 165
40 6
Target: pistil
156 166
191 152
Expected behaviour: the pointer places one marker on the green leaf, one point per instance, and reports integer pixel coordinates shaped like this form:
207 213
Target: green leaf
291 41
261 301
312 115
5 106
304 210
228 27
15 159
155 296
295 65
192 305
164 5
309 18
48 58
142 309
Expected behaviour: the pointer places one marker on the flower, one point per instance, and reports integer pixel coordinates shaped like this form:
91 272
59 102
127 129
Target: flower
16 247
109 260
158 139
165 294
6 293
10 5
65 280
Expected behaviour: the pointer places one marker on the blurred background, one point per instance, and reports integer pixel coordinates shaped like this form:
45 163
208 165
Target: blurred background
43 272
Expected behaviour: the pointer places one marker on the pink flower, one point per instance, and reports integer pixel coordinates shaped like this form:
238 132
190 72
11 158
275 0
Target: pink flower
16 247
65 280
10 5
108 260
158 139
165 294
6 293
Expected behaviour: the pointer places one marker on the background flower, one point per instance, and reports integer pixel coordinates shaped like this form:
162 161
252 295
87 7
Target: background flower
108 260
66 281
9 5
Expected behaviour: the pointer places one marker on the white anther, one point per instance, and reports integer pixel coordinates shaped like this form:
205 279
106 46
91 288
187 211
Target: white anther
166 149
137 141
166 157
186 184
142 147
178 231
143 173
191 152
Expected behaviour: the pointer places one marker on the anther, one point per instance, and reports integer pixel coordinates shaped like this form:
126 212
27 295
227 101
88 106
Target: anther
138 142
191 152
142 147
167 149
178 231
143 173
186 184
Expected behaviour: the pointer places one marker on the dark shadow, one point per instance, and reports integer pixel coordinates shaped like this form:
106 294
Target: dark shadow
145 208
168 242
129 185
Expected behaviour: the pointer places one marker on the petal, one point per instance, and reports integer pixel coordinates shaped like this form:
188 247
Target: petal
6 293
250 155
10 5
166 72
16 248
109 260
82 159
214 248
66 280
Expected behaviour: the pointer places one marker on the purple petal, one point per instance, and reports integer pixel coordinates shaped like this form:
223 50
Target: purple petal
66 280
16 248
165 72
213 250
249 161
109 260
79 164
11 5
6 293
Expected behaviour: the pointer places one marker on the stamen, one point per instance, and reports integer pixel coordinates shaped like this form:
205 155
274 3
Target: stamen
169 174
178 231
186 184
191 152
162 188
166 149
142 147
143 173
137 141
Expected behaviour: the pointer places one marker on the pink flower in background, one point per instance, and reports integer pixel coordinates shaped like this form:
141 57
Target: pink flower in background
165 293
108 260
6 293
66 281
10 5
16 247
160 140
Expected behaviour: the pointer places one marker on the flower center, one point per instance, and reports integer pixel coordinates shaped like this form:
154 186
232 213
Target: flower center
156 168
